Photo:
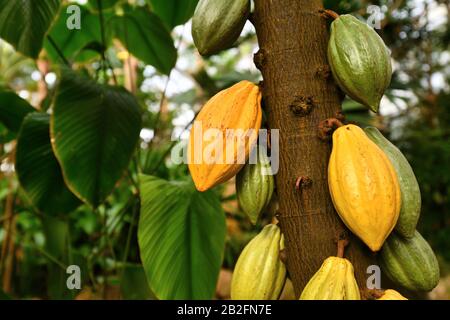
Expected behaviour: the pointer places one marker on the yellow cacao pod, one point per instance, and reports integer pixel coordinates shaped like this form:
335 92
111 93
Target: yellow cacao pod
390 294
335 280
259 273
363 186
223 134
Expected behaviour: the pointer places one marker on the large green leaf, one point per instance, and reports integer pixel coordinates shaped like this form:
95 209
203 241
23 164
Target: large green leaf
12 110
72 42
146 37
38 170
181 238
57 245
24 23
6 135
95 129
134 284
106 4
4 296
174 12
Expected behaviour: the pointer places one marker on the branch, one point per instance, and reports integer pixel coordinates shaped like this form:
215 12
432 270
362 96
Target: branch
105 62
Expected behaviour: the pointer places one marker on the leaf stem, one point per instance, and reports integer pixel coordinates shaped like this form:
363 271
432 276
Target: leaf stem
127 246
58 51
105 62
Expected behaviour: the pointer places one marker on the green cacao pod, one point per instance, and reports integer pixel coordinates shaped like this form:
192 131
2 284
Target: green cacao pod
217 24
259 273
335 280
410 263
410 191
359 60
254 186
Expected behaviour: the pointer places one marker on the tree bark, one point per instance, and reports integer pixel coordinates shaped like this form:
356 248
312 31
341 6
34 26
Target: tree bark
299 93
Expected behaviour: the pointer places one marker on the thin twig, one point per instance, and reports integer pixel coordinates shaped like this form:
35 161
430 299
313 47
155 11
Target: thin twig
329 14
130 176
130 71
105 239
7 253
3 219
69 245
110 228
112 72
102 34
58 51
105 62
9 262
342 243
127 246
51 258
161 104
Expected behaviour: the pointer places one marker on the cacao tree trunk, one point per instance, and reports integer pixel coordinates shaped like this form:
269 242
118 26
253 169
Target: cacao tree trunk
299 93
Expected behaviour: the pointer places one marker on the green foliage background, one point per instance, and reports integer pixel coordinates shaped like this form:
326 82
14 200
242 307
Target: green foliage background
85 172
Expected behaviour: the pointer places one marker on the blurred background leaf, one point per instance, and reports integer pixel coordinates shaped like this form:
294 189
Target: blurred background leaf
173 12
38 170
72 43
12 110
181 237
145 36
95 129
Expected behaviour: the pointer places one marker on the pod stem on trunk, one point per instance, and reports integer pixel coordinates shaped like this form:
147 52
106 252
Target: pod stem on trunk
329 14
342 243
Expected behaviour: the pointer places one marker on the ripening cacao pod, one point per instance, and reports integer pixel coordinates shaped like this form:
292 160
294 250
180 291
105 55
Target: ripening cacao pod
410 263
359 60
410 192
335 280
259 273
390 294
217 24
363 186
254 186
216 153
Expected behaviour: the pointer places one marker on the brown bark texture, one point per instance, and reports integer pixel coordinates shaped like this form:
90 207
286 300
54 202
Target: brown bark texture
299 93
